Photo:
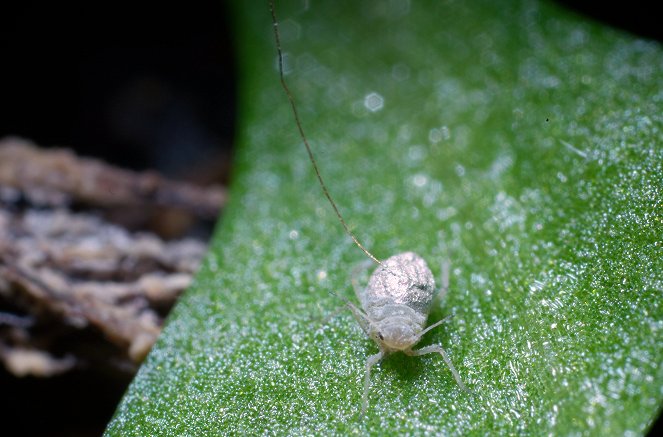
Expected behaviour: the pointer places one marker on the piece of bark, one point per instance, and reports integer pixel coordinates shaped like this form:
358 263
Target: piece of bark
23 361
76 290
77 270
57 177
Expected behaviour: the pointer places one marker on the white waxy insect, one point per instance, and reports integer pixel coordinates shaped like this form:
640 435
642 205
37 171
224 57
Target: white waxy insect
396 303
398 298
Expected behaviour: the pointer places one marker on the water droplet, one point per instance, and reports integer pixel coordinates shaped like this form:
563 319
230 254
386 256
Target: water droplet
420 180
374 102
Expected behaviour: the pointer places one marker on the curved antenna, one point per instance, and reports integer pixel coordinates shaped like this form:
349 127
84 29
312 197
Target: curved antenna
308 147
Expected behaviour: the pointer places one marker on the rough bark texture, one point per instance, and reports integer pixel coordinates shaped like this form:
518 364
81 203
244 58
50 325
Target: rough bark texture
75 289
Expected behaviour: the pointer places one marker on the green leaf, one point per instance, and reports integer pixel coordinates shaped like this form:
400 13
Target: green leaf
515 139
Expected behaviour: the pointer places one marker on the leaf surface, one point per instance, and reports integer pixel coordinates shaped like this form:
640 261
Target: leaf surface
515 139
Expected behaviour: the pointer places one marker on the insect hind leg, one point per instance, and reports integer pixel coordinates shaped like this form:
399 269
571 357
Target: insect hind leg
370 362
444 280
436 348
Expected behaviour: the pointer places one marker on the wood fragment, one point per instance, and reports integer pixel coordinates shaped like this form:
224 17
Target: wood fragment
57 177
76 290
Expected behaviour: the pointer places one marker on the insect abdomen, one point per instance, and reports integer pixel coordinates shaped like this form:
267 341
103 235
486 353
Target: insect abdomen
402 279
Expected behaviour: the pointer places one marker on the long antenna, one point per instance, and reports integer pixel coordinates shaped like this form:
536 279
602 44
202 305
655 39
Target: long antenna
308 147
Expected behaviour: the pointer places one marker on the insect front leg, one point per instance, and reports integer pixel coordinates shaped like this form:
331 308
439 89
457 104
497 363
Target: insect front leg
359 315
436 348
372 360
337 311
361 318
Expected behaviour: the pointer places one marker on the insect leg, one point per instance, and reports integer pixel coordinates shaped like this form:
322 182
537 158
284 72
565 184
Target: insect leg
437 348
359 315
444 281
372 360
361 318
436 324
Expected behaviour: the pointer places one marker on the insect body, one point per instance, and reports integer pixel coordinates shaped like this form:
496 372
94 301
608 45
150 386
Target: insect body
399 295
397 300
395 304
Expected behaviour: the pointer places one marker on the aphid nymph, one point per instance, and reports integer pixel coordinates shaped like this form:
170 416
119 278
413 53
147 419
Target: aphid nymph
396 303
398 298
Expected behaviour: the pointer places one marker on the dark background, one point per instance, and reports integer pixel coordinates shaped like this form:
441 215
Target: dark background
141 85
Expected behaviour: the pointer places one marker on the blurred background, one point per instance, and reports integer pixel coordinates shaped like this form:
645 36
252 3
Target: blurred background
141 85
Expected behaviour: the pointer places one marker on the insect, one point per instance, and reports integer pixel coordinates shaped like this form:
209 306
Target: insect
398 298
